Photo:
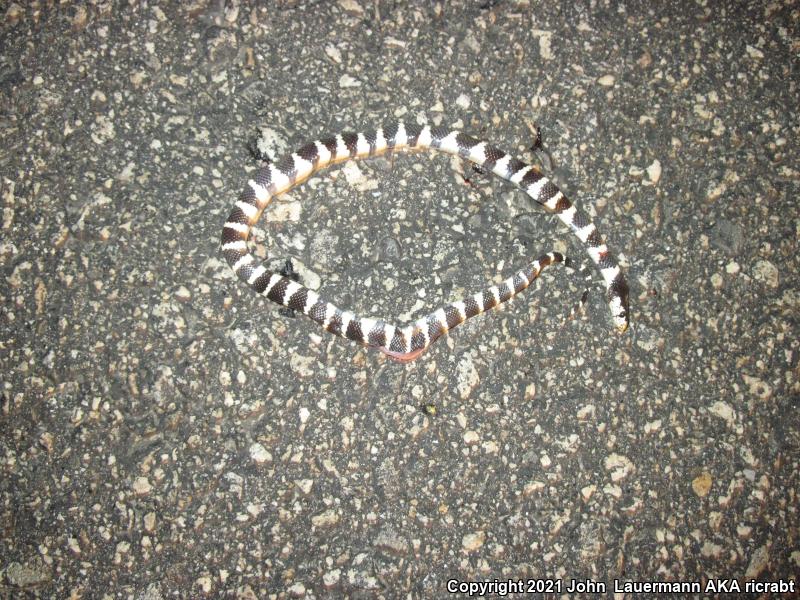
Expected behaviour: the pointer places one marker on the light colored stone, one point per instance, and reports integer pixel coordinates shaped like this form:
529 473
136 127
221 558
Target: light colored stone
702 484
259 454
472 541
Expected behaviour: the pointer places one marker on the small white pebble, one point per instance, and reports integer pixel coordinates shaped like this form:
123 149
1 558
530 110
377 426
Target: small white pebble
532 487
297 589
606 80
588 491
259 454
619 465
490 447
654 171
141 486
352 7
204 583
183 294
652 426
472 541
334 54
304 485
331 578
724 411
346 81
754 52
766 272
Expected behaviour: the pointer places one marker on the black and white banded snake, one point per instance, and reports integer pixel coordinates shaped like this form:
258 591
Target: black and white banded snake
407 342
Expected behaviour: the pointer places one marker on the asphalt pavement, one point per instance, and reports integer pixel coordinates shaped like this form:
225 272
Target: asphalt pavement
167 433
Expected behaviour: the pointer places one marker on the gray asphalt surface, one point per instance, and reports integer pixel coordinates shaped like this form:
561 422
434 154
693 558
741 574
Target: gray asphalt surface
167 433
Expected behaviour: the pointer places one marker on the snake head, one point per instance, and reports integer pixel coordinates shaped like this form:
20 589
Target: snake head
620 304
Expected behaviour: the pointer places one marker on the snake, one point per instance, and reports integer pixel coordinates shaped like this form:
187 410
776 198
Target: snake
407 342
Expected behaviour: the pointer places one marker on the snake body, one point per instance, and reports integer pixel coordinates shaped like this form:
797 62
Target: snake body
407 342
